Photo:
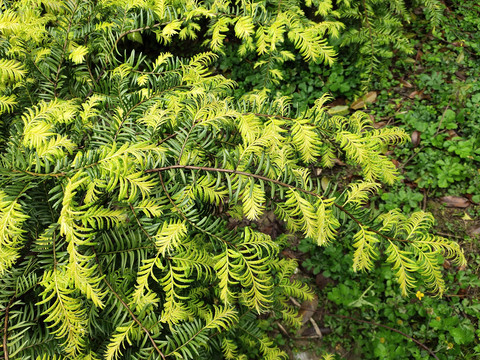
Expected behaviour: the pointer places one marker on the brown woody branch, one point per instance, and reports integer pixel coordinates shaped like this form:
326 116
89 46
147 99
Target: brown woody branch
278 182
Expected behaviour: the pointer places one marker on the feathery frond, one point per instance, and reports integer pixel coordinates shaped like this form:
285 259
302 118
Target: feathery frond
11 70
135 183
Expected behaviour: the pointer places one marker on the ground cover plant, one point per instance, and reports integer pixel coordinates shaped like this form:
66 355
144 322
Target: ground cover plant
122 169
432 94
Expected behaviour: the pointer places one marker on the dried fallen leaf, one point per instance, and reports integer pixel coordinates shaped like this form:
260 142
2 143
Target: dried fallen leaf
416 138
370 97
405 83
322 282
317 329
461 75
415 94
455 201
357 104
474 232
396 163
307 309
452 134
360 103
380 124
289 254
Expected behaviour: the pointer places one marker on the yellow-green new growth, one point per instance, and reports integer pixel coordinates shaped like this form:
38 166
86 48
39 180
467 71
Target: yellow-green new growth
120 172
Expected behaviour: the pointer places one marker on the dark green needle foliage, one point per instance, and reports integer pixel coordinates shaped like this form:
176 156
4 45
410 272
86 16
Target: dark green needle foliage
374 30
119 172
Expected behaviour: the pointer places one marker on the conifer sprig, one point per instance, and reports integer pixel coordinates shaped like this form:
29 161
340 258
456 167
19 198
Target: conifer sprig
120 173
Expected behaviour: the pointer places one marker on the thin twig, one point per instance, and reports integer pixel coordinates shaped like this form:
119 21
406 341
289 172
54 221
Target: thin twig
421 147
316 328
282 329
425 198
448 235
264 178
411 157
121 36
5 330
131 249
423 346
185 216
154 95
64 50
17 171
128 308
167 138
185 142
370 33
43 74
441 119
140 224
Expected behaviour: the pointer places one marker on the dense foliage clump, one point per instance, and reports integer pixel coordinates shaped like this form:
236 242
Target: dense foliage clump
120 171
